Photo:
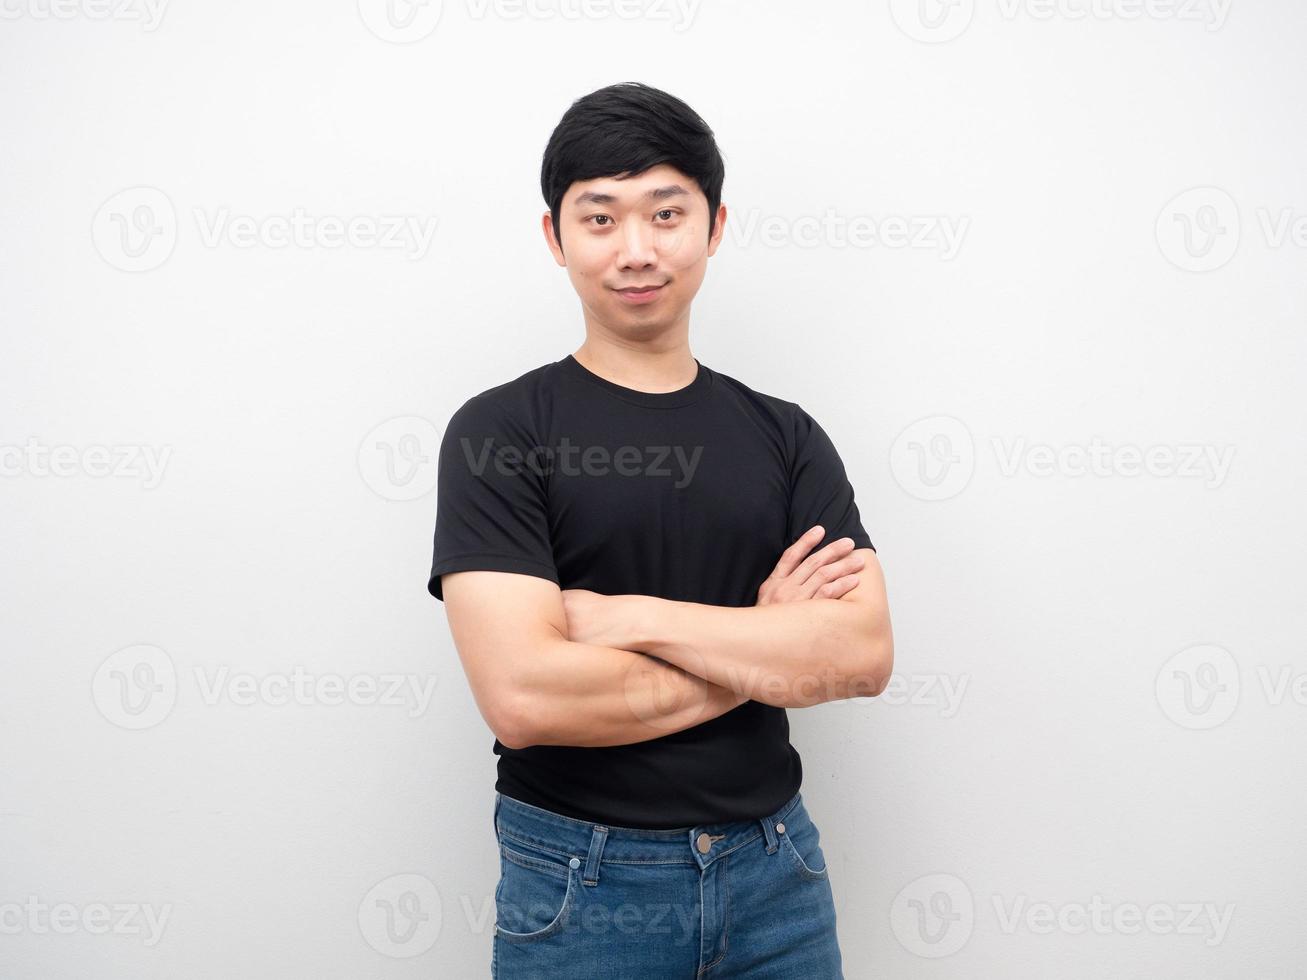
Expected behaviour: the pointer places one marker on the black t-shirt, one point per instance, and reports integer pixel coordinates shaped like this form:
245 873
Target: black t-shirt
689 495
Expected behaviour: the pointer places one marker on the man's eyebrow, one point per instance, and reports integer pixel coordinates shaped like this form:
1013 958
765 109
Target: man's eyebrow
657 194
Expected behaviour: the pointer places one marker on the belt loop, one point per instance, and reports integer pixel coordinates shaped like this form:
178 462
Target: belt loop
495 818
597 839
769 832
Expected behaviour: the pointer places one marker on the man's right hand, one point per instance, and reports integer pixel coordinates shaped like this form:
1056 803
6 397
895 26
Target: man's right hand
828 574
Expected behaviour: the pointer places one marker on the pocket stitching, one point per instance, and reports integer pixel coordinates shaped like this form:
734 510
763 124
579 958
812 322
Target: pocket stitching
558 919
525 860
803 865
522 843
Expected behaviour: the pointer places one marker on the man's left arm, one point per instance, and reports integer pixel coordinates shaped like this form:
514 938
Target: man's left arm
787 654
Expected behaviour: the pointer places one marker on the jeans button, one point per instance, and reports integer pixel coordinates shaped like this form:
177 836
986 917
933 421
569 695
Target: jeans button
574 863
780 828
704 843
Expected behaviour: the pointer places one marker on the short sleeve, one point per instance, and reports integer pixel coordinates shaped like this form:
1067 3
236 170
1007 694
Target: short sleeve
820 492
491 504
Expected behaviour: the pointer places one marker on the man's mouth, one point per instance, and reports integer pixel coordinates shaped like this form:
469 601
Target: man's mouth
640 294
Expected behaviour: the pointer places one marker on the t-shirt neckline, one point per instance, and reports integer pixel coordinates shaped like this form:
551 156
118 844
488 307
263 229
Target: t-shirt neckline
650 399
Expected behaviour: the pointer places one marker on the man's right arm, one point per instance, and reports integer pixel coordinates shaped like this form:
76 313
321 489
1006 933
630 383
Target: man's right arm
534 686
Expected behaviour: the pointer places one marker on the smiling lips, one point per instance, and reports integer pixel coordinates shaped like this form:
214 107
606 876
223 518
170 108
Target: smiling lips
640 294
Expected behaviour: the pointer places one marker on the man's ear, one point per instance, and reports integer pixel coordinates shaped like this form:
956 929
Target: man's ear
719 228
555 246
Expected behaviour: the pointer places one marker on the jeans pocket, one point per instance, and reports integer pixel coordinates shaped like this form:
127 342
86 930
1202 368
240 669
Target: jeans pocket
535 893
803 843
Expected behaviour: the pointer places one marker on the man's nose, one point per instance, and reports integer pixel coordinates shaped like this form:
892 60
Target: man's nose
637 245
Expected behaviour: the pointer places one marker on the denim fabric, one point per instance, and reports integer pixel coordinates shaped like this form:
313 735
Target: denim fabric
584 900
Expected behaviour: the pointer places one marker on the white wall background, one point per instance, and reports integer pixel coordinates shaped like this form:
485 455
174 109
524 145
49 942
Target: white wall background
1098 718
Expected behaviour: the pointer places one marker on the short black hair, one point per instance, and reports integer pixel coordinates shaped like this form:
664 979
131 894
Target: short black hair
623 130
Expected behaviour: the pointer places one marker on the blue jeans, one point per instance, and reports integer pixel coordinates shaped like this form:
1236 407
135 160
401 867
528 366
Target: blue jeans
750 898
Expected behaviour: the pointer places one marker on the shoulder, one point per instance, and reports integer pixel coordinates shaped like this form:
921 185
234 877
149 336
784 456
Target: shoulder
517 403
801 438
773 406
789 418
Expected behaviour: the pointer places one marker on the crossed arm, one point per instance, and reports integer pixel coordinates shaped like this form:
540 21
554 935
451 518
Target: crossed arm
575 667
790 654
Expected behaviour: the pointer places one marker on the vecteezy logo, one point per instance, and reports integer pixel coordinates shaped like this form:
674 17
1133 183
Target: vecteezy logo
136 229
1198 688
398 458
400 21
400 916
933 916
932 21
658 703
136 687
933 458
1198 230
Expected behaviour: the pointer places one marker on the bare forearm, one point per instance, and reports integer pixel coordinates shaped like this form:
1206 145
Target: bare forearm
792 654
586 695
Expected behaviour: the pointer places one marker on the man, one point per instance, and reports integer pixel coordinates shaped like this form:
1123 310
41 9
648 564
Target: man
644 563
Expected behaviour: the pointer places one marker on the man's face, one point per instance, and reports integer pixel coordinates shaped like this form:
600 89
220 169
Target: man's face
650 230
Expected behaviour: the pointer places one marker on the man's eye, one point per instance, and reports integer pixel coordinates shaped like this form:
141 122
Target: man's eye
669 211
596 217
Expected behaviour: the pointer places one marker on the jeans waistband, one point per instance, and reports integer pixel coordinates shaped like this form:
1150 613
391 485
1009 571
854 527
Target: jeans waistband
591 843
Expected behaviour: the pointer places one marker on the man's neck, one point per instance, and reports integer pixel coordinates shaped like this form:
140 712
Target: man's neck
639 368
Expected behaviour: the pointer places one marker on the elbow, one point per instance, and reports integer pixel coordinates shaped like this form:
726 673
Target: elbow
876 666
514 743
871 665
512 723
524 712
864 673
513 738
863 670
